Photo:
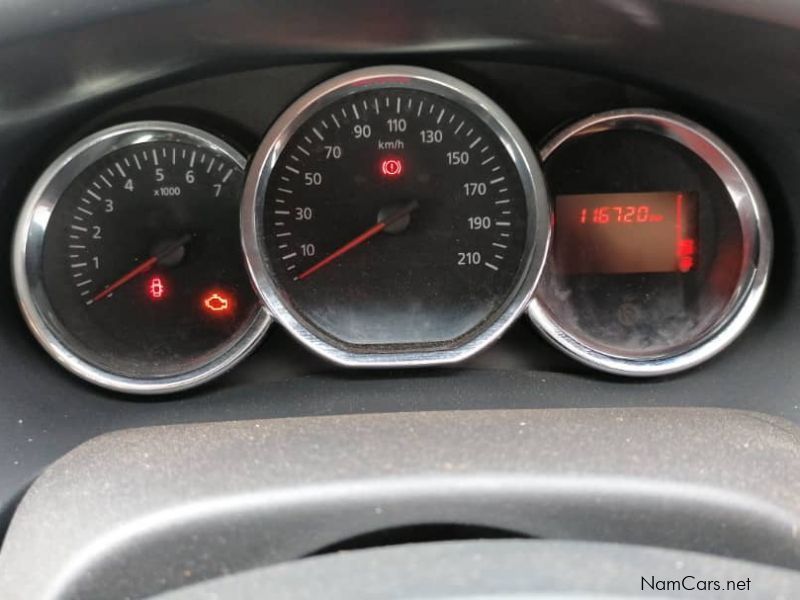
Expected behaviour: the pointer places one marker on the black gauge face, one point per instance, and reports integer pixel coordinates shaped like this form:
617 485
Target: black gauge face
141 261
647 246
395 217
651 258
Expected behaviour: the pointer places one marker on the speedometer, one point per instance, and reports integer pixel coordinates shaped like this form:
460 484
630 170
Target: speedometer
395 216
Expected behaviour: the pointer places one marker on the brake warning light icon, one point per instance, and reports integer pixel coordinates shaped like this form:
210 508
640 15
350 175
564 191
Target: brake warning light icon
391 167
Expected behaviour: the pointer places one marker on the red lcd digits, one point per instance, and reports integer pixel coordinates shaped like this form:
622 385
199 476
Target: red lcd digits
653 232
622 214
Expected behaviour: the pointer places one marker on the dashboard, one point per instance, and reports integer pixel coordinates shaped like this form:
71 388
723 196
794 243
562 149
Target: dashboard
367 230
392 216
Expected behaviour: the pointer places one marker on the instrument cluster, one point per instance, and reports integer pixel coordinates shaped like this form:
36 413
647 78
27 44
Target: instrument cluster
391 216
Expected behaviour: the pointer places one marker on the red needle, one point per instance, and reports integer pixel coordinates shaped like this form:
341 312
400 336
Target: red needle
357 241
145 266
142 268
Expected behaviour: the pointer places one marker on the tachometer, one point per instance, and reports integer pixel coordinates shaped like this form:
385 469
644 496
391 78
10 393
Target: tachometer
128 263
395 216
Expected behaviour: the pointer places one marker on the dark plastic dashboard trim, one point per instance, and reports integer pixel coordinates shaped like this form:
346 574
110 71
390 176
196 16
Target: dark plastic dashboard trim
142 511
508 569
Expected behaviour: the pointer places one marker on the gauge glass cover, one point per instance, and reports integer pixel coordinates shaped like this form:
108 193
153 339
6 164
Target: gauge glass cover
129 267
662 243
395 216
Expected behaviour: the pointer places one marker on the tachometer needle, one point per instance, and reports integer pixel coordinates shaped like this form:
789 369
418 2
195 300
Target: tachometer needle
357 241
141 268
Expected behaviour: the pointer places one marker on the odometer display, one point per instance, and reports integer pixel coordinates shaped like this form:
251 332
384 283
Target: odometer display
662 243
398 214
654 232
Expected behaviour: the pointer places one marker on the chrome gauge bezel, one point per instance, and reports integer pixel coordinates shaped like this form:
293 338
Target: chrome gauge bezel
523 156
757 247
27 259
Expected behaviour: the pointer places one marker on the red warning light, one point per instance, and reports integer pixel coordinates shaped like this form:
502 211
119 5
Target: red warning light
156 288
218 303
392 167
687 249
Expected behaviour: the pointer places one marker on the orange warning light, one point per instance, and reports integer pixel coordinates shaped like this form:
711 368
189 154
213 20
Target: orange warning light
217 302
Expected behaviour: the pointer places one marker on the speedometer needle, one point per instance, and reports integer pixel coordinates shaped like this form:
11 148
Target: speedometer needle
357 241
142 268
